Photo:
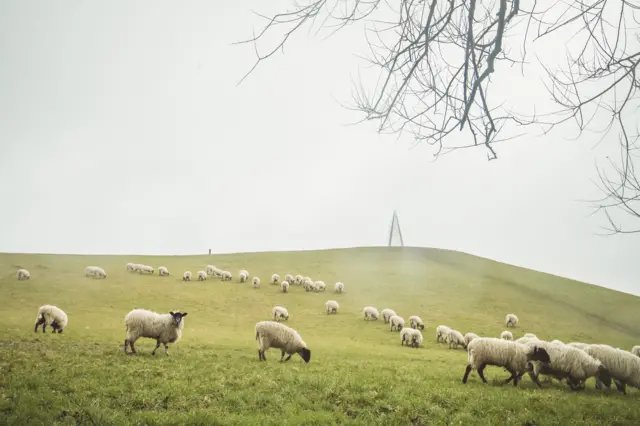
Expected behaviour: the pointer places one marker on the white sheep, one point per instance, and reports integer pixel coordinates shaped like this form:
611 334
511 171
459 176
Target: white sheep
484 351
130 267
387 313
226 275
53 316
275 279
255 282
511 320
186 276
245 272
280 313
411 336
339 287
396 323
284 286
370 313
95 272
297 280
288 277
202 276
23 274
622 366
635 350
442 331
455 338
163 271
271 334
243 276
145 268
136 267
308 285
332 307
558 342
211 270
469 337
416 322
578 345
319 286
164 328
506 335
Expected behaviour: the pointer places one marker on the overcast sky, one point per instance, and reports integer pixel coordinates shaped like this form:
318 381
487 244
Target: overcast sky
122 131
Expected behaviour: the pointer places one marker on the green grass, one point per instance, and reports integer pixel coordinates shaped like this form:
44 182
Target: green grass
358 374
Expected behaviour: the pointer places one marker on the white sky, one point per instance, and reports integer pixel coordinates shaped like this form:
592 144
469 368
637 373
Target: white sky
122 131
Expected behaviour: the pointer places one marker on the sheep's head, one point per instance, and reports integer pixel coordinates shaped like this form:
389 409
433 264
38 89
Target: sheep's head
603 375
177 317
305 354
539 354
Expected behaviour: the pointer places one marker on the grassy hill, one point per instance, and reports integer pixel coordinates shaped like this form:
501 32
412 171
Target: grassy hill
358 374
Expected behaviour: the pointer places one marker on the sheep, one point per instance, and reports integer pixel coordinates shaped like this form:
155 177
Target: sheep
370 313
288 277
622 366
561 361
455 338
275 279
558 342
578 345
483 351
469 337
525 339
511 320
95 272
308 285
243 276
255 282
297 280
635 350
23 274
284 286
163 271
386 314
442 331
186 276
396 323
164 328
530 336
279 313
136 267
416 322
211 270
332 307
339 287
506 335
410 336
53 316
319 286
245 272
271 334
145 268
130 267
202 276
226 275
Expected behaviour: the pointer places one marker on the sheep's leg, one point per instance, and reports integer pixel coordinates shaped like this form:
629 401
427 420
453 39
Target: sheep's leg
466 374
516 378
44 326
166 349
281 355
54 326
126 342
534 378
288 358
133 350
157 346
481 373
38 323
622 387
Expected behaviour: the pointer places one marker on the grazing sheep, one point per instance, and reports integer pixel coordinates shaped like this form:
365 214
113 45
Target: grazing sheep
339 287
243 276
145 268
469 337
416 322
284 286
53 316
308 285
387 313
483 351
245 272
226 275
635 350
622 366
332 307
186 276
255 281
163 271
442 331
23 274
211 270
271 334
511 320
370 313
164 328
396 323
279 313
297 280
275 279
411 336
130 267
319 286
288 277
455 338
95 272
202 276
506 335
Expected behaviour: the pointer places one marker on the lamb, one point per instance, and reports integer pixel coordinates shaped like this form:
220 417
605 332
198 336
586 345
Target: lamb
271 334
396 322
506 335
288 277
442 331
339 287
370 313
410 336
145 268
226 275
468 338
455 338
511 320
164 328
95 272
332 307
186 276
635 350
243 276
319 286
23 274
387 313
163 271
483 351
202 276
211 270
130 267
255 282
275 279
284 286
53 316
416 322
279 313
622 366
297 280
308 285
244 272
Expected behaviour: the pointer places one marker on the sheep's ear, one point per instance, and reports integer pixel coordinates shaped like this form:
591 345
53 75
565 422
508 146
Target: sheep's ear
171 313
184 314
